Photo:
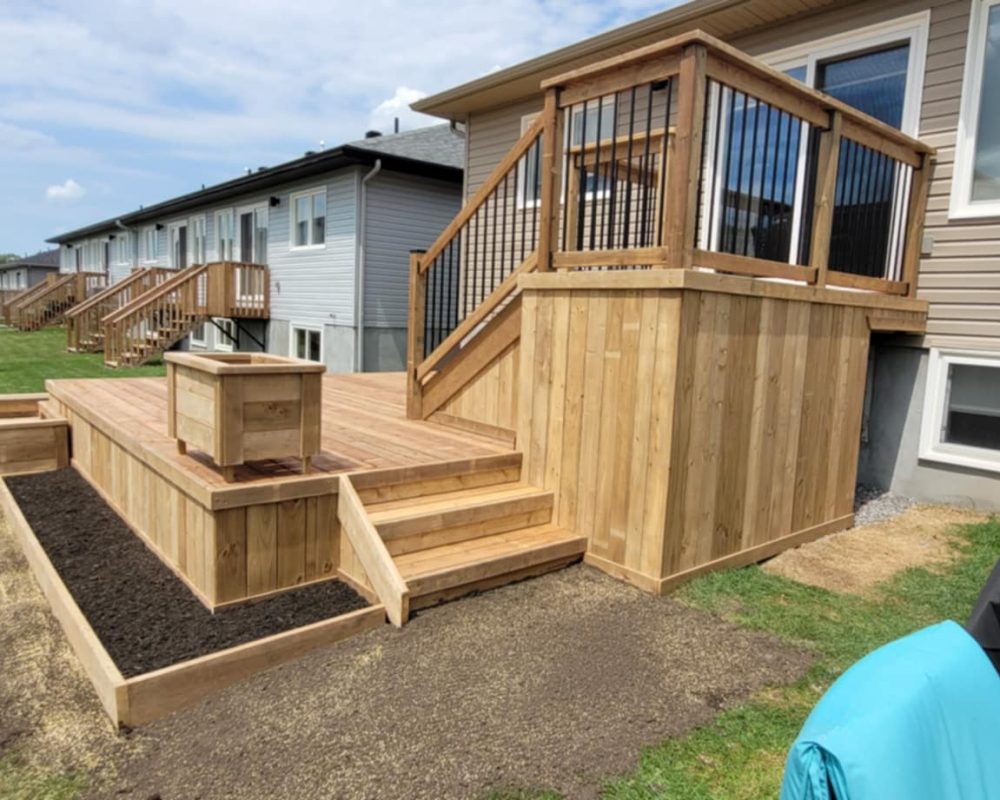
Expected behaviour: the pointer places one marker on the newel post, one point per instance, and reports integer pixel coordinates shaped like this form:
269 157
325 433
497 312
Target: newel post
825 197
680 206
552 139
415 335
916 211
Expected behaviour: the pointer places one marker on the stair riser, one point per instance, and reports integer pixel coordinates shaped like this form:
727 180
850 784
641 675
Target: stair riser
464 533
501 568
497 510
452 483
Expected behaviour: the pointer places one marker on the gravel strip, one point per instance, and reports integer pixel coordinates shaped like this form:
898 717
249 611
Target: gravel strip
872 505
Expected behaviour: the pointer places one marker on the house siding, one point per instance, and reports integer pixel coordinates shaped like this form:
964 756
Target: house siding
960 273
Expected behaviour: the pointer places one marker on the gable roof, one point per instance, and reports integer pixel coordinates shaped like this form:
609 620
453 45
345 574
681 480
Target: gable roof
724 19
46 259
435 152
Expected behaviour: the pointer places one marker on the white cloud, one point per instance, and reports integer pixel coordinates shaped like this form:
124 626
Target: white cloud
386 113
67 190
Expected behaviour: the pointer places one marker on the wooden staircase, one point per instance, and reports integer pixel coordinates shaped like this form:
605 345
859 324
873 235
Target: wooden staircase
84 322
465 526
49 305
143 329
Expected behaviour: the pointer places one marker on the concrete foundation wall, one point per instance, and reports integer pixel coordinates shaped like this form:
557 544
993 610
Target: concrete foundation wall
890 458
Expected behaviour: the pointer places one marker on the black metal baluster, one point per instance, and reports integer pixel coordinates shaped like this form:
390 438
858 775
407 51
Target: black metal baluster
535 206
520 186
763 181
597 175
786 180
628 175
737 200
610 227
701 168
662 190
644 217
504 255
582 184
753 165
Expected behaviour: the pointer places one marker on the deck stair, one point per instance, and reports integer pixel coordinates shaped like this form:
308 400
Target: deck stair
84 327
473 527
49 305
144 328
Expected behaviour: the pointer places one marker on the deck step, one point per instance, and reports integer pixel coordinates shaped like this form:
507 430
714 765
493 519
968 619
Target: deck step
448 571
452 517
381 486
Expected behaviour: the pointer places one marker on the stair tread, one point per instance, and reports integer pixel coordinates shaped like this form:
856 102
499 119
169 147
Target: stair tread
497 547
393 510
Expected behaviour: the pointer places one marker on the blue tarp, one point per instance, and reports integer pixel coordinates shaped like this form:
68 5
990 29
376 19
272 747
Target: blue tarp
918 718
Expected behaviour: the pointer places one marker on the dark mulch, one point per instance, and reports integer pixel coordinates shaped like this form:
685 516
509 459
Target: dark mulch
145 617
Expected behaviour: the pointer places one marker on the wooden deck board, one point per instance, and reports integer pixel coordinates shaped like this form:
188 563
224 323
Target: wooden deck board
364 428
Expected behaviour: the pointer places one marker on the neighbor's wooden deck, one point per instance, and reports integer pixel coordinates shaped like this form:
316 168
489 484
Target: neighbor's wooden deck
364 429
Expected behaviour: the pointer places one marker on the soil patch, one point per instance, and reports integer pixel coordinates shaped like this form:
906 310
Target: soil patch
859 559
554 682
145 617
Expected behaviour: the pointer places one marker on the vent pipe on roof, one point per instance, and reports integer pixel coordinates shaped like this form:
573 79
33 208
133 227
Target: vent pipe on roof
395 125
372 134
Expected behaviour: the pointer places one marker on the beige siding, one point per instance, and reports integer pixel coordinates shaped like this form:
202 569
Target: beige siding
960 276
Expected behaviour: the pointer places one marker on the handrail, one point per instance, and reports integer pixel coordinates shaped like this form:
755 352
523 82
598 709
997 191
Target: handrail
373 554
492 181
84 321
53 302
164 288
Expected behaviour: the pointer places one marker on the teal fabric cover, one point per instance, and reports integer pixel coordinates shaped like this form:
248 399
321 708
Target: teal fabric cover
917 718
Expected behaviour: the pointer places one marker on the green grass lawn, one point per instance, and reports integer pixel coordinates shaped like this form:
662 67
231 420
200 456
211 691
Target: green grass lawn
28 359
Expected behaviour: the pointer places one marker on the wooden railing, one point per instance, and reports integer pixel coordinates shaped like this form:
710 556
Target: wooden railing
141 330
84 328
49 306
10 305
687 153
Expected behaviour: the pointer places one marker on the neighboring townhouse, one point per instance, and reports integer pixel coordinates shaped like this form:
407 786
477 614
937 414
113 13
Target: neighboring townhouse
26 272
335 228
932 414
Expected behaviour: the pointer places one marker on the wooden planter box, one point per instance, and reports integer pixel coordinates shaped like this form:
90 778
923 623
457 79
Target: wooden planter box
240 407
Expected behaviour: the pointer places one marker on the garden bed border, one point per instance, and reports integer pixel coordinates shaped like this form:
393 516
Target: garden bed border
144 698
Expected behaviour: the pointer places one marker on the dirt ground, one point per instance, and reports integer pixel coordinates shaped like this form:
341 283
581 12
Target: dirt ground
858 559
556 682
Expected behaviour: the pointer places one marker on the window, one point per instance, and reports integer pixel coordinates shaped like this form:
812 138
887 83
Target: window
309 218
148 250
123 248
529 185
177 235
198 252
225 235
307 343
961 423
588 123
226 334
975 190
199 335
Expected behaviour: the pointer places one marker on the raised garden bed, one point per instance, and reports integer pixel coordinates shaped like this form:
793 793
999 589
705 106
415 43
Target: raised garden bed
148 645
29 443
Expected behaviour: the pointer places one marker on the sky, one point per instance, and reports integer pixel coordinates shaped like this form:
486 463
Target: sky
106 105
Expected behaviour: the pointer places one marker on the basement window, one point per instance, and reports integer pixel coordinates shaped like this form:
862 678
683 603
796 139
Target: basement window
307 343
961 422
225 334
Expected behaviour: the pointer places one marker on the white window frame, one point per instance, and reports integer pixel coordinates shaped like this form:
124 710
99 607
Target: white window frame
961 205
913 27
253 209
172 230
147 231
935 397
527 120
223 342
217 216
197 225
292 352
201 341
123 248
293 220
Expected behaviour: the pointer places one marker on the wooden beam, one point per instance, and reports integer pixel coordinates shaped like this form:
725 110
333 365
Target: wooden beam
655 69
754 267
684 160
415 334
548 221
850 281
878 141
916 211
610 258
373 555
825 197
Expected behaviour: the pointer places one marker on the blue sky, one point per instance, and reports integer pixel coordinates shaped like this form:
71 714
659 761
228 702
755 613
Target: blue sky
109 104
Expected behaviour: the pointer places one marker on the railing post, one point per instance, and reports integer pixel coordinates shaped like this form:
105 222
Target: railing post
916 209
415 335
680 206
552 136
827 165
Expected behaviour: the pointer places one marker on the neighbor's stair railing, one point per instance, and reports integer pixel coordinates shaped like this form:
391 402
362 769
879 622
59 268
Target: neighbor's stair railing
84 328
144 328
49 306
687 153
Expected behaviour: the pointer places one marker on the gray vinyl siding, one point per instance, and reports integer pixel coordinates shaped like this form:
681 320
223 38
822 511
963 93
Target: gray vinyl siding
404 213
315 287
960 275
